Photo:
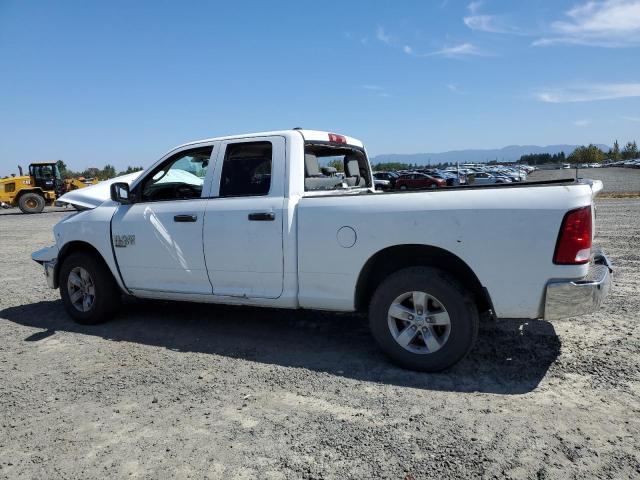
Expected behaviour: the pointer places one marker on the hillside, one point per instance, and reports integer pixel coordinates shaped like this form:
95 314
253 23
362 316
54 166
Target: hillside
506 154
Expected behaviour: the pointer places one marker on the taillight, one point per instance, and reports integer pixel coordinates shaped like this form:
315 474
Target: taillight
574 239
335 138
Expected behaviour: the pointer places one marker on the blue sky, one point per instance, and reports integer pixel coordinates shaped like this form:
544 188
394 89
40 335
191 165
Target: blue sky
122 82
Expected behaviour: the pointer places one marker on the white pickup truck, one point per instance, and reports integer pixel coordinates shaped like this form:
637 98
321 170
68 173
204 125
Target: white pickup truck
256 220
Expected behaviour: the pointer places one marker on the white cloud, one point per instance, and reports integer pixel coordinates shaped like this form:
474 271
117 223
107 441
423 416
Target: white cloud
582 123
382 35
376 90
453 88
461 50
474 6
610 23
484 22
454 51
630 119
588 93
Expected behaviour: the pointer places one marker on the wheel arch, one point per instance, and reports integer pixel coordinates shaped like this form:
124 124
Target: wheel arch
24 191
392 259
76 246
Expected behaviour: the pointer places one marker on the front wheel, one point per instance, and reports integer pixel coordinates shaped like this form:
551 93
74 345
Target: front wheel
31 203
89 293
423 319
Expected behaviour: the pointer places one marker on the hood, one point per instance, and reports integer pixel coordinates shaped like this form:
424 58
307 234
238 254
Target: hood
91 197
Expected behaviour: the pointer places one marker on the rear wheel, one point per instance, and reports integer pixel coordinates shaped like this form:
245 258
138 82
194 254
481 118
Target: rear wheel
31 203
423 319
88 290
403 187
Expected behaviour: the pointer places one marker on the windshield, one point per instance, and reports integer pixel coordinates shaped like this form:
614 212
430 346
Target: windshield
333 167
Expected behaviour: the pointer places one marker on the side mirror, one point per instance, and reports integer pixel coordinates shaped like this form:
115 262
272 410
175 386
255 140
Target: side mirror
120 193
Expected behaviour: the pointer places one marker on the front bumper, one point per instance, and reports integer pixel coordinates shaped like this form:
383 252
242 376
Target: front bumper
580 297
49 273
48 258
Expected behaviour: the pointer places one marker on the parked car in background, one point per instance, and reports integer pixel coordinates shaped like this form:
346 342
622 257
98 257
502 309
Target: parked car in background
451 179
390 177
416 180
382 184
635 163
484 178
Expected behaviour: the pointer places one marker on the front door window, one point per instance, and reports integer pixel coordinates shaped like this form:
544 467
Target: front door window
179 178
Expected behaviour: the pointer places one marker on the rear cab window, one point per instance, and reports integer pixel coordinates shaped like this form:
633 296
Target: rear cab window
329 166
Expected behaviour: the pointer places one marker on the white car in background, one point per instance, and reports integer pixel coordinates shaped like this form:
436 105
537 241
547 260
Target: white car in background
484 178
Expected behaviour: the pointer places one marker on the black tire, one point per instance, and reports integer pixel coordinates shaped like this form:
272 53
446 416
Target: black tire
403 187
31 203
457 301
107 296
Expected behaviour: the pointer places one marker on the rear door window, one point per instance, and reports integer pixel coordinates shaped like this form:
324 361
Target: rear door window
246 170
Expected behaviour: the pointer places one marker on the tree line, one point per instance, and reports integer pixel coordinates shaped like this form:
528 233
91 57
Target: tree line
585 154
104 173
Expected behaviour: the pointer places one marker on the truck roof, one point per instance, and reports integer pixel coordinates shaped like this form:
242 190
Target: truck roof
308 135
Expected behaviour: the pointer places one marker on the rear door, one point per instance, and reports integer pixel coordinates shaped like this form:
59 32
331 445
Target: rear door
243 238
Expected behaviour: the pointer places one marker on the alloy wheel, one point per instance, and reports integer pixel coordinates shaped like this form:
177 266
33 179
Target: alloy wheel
81 289
419 322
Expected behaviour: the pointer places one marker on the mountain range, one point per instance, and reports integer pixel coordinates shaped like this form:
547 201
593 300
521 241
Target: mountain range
510 153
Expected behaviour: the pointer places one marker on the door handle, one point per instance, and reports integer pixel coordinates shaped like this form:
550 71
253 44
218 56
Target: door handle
185 218
262 216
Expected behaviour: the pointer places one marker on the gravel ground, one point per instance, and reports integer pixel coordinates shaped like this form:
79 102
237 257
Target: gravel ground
615 179
172 390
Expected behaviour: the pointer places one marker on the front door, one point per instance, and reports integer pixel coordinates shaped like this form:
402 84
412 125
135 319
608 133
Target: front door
243 221
158 239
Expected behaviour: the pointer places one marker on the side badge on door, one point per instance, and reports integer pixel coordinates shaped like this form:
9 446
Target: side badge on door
122 241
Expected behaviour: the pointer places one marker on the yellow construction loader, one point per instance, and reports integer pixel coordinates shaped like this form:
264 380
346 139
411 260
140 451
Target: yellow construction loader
76 183
31 193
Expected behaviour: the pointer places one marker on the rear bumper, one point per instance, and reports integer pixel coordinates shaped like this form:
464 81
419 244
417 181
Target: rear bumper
580 297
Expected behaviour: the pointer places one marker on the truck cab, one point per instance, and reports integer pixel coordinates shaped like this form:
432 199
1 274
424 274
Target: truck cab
46 176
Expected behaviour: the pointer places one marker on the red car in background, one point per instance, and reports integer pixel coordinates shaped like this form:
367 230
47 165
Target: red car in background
410 181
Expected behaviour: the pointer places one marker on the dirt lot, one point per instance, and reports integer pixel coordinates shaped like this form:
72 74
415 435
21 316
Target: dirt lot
615 179
177 390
